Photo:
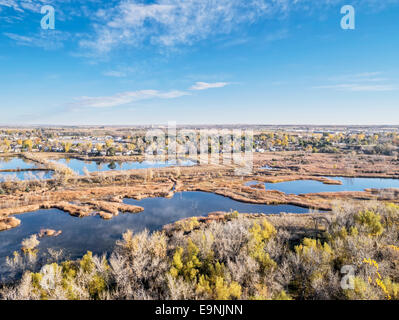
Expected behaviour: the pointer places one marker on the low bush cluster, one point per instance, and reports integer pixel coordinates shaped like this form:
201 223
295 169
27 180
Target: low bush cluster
241 257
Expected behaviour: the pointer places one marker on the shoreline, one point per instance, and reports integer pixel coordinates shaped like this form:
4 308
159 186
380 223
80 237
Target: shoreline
108 188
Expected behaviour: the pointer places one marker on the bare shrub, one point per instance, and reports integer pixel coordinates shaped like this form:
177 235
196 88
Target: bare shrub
237 257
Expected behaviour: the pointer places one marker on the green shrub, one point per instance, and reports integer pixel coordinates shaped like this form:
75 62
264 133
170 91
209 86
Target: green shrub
371 221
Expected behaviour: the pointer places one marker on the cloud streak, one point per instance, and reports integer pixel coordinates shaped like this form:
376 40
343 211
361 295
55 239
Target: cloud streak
205 85
361 82
127 97
116 74
46 40
353 87
124 98
24 5
169 23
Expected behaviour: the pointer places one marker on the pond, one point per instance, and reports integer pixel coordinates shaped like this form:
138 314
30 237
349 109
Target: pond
348 184
92 166
16 163
25 175
12 163
99 236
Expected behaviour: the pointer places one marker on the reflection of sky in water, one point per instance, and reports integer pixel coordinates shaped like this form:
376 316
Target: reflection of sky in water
268 168
15 163
348 184
92 166
25 175
97 235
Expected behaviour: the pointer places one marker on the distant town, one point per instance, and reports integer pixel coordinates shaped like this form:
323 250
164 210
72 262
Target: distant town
114 141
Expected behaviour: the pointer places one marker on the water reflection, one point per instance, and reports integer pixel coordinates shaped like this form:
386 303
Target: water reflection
25 176
348 184
12 163
97 235
80 166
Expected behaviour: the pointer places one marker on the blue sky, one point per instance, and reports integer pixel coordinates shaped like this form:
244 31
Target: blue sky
132 62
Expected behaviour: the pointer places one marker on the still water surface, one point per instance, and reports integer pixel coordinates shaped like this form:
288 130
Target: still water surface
98 235
92 166
348 184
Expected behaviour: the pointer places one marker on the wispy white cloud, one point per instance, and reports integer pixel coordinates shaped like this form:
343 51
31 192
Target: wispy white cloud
72 6
125 98
43 39
24 7
116 74
278 35
18 10
16 5
271 37
19 38
170 23
358 87
360 77
205 85
359 82
173 22
234 42
122 71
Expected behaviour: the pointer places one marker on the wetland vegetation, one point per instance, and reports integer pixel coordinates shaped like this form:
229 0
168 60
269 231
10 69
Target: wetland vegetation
85 220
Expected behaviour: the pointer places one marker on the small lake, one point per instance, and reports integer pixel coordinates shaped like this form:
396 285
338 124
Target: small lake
348 184
93 166
25 175
10 163
14 163
98 235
